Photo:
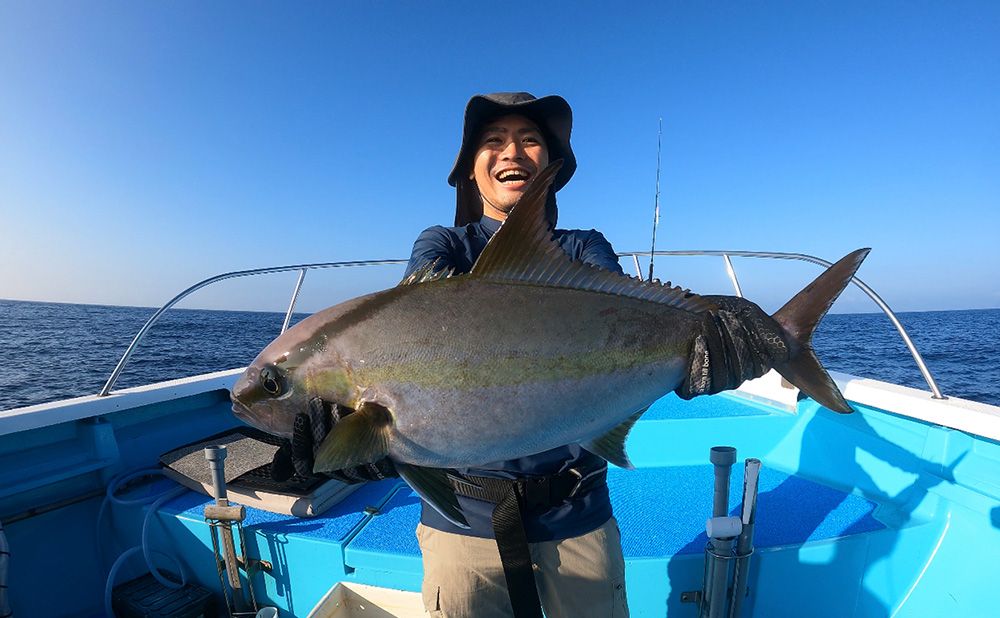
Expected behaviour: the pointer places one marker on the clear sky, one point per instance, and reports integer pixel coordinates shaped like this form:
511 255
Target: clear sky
147 145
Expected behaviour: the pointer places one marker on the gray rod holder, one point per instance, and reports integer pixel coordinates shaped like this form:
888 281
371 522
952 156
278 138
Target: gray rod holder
216 456
730 543
722 458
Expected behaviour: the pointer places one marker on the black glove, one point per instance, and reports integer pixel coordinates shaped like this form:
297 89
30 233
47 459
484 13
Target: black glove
738 342
308 431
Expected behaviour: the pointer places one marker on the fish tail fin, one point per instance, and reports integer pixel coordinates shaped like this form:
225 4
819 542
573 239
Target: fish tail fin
799 318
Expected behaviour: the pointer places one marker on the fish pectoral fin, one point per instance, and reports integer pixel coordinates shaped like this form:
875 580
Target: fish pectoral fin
611 446
433 486
359 438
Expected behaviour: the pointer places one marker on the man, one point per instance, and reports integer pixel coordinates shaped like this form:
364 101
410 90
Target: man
573 539
541 528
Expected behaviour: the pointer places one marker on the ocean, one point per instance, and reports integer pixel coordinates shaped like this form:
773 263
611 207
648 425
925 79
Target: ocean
53 351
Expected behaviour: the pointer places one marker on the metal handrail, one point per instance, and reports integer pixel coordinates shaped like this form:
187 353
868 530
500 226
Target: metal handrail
302 268
726 255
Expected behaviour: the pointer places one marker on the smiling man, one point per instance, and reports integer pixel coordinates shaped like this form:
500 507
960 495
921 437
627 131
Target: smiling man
541 528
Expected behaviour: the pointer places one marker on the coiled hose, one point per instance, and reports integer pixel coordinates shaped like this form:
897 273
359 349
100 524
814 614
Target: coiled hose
157 500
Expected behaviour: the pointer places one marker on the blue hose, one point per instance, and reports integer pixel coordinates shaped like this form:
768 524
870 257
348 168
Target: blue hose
157 501
147 553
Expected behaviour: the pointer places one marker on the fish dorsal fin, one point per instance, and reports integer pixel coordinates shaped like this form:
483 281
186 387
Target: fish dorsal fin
523 250
427 272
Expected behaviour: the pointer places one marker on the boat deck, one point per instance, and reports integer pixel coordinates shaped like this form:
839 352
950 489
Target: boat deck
854 511
661 510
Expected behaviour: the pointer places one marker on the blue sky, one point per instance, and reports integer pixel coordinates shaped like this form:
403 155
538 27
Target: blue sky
145 146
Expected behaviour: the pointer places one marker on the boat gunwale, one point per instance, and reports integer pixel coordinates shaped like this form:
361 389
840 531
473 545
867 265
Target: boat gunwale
975 418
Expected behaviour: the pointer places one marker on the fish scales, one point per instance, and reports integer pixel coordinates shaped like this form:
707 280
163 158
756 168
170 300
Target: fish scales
550 362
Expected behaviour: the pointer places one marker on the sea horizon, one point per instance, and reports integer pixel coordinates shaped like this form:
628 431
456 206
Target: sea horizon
62 350
152 308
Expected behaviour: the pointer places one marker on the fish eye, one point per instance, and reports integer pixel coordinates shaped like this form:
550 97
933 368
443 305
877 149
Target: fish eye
271 381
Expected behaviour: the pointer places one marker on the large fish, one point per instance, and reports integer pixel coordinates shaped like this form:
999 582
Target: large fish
527 352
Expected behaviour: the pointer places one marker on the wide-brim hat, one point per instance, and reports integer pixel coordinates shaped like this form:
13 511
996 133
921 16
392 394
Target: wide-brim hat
554 118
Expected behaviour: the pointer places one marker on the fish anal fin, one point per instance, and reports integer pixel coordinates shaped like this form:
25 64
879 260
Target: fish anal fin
359 438
433 486
611 446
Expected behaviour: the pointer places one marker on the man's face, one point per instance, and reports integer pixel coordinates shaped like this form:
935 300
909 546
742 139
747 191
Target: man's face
511 152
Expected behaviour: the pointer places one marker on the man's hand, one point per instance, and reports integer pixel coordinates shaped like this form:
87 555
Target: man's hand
738 342
308 432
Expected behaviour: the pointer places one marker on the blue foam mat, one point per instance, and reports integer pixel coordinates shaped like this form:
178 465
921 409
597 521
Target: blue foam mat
670 407
662 512
392 530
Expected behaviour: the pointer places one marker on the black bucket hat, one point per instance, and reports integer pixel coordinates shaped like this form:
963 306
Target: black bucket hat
553 116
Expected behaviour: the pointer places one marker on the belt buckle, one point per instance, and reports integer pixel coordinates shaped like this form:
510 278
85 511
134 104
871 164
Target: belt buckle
536 492
579 481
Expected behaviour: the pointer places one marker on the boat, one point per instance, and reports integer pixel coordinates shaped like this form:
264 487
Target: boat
893 511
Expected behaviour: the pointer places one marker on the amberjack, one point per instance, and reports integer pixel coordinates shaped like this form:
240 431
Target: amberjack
527 352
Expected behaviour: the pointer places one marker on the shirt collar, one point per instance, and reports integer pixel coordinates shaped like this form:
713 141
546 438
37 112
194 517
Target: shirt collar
489 225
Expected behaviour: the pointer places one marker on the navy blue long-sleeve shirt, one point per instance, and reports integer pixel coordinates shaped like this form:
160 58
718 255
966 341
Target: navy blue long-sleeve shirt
458 248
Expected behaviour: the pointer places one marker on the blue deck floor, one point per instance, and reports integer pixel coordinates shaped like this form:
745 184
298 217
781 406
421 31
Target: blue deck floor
369 537
662 512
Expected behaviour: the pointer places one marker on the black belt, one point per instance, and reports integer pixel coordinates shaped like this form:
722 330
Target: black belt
514 497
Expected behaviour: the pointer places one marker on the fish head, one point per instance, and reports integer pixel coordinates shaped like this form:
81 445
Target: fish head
292 370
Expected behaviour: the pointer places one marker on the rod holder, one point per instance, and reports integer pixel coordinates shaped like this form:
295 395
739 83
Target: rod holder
216 456
730 541
744 542
222 519
722 458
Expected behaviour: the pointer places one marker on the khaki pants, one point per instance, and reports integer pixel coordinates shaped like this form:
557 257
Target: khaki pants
576 578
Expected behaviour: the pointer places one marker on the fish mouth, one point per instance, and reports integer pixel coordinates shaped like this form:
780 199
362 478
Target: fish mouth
261 417
241 411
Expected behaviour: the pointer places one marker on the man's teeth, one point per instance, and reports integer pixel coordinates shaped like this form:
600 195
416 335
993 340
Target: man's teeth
512 175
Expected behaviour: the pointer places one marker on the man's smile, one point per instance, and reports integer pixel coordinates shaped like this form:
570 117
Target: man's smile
514 177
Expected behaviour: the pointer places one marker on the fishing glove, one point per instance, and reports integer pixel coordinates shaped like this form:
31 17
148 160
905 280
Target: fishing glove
738 342
308 431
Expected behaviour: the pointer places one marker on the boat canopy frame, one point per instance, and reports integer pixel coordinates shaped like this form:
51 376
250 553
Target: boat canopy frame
635 255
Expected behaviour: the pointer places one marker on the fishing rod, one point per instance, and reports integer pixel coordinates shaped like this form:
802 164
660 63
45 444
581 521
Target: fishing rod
656 199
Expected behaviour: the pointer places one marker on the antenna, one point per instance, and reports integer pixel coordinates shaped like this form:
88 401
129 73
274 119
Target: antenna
656 199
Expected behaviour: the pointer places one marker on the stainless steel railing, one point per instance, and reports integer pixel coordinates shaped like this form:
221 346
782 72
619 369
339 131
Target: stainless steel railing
726 255
635 255
302 268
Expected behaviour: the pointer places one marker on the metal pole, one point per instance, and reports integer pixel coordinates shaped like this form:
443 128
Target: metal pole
719 549
732 275
744 543
216 456
295 297
722 458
